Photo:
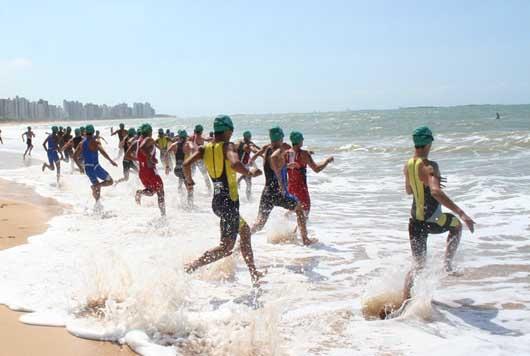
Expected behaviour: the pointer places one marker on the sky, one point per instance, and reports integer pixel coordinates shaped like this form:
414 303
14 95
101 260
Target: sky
191 58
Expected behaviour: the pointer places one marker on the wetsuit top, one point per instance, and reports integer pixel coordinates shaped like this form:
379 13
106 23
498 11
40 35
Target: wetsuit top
91 157
179 152
271 180
52 143
298 175
162 142
76 141
424 206
220 171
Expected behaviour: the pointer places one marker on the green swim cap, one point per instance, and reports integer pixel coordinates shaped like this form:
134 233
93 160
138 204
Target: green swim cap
296 137
60 128
90 129
183 134
160 131
247 134
122 125
68 128
198 129
222 123
77 132
276 134
422 136
146 129
55 129
131 131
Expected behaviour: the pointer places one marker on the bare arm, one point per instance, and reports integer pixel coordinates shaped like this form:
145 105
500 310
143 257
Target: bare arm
187 167
442 198
237 165
316 167
104 154
77 153
44 143
259 153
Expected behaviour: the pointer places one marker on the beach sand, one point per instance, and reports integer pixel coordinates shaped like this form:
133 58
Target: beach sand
24 213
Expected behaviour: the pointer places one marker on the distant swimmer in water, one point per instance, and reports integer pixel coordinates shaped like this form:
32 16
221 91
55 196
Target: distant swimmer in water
275 191
51 146
129 147
182 150
122 132
1 141
245 148
423 181
89 150
146 156
497 116
298 160
197 141
222 162
29 141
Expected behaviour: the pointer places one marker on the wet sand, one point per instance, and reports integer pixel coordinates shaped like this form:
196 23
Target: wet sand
24 213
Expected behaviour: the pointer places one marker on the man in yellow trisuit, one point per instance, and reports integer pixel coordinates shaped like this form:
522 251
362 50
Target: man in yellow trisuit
222 163
423 180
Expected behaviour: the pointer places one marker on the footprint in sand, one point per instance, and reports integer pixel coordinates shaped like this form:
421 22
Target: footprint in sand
2 206
11 237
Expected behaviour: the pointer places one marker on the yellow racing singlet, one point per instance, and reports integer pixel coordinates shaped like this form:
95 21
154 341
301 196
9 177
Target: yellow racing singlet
219 169
424 206
162 142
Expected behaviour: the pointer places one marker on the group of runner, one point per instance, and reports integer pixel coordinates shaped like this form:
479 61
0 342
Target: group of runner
220 160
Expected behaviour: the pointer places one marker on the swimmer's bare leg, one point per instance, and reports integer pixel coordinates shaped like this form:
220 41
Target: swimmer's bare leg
245 244
161 202
223 250
453 240
301 220
140 192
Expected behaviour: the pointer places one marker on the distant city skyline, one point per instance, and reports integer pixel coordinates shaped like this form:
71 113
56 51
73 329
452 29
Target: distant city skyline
20 108
208 57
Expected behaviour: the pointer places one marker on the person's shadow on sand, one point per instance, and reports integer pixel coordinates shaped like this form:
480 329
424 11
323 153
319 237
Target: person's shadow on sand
478 316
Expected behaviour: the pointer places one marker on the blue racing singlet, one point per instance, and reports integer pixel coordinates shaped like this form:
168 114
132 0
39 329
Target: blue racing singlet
91 157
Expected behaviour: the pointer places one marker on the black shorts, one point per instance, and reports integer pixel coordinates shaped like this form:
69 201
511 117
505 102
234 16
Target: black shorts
128 165
272 197
28 142
67 154
179 170
228 210
420 230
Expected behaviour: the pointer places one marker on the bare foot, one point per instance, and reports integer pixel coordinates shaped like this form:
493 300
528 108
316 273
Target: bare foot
189 267
308 242
256 276
43 166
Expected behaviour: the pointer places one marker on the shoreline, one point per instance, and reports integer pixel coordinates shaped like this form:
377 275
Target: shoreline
17 203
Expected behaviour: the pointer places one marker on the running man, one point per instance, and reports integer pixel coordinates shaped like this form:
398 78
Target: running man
222 164
67 136
53 157
146 156
182 150
245 148
275 192
71 146
89 149
197 141
162 143
122 132
299 159
129 147
29 141
423 181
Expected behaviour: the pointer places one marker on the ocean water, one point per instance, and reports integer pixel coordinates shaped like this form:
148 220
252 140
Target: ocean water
117 273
